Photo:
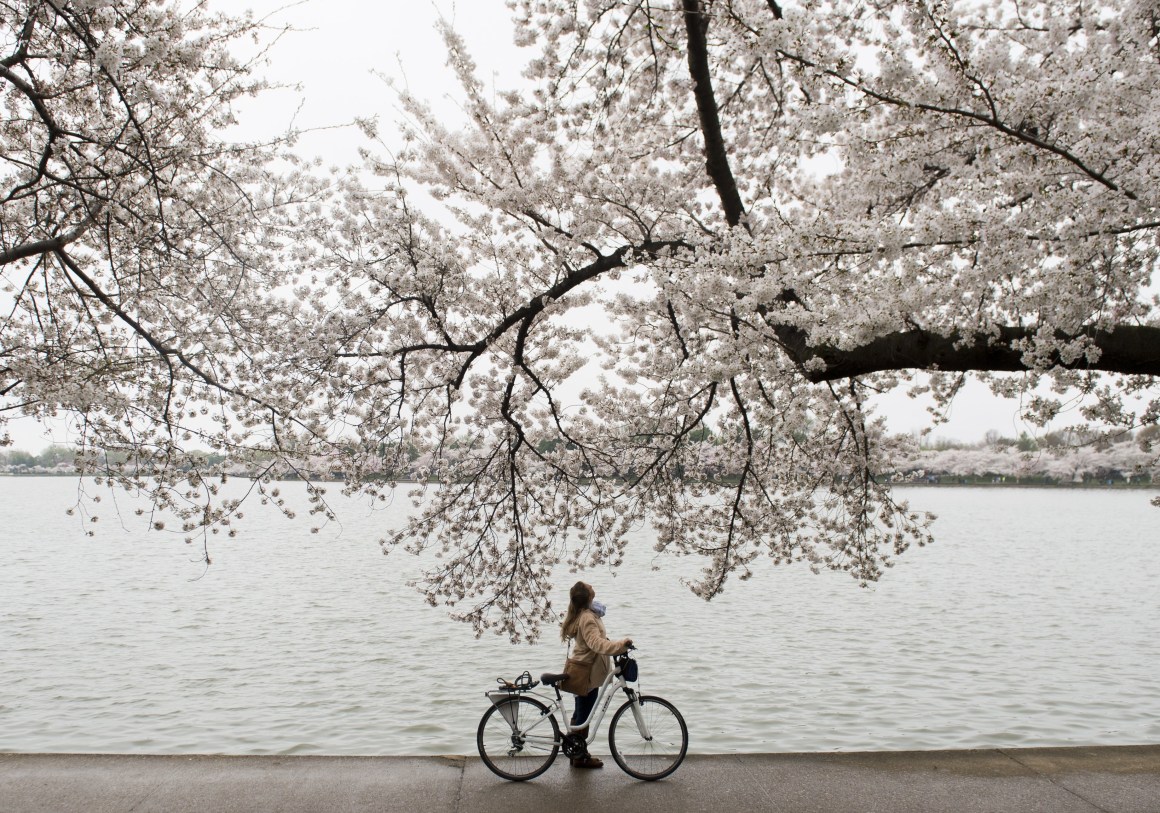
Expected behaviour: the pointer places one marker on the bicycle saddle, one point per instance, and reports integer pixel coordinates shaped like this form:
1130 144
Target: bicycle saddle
550 679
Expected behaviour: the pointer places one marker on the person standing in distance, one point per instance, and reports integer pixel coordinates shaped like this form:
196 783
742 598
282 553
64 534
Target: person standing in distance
582 624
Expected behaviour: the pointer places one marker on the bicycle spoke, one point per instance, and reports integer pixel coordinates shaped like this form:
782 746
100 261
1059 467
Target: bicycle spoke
505 745
657 755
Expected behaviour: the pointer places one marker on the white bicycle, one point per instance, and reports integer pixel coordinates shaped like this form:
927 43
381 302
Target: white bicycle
519 735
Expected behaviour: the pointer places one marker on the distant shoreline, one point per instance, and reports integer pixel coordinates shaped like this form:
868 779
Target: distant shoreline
1076 486
942 481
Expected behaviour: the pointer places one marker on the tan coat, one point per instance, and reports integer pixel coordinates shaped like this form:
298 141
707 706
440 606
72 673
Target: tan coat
592 646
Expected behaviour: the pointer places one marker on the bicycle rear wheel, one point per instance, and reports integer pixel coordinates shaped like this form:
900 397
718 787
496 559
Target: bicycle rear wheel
518 738
662 752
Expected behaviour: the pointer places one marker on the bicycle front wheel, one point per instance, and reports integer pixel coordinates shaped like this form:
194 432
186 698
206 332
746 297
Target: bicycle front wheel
656 755
518 738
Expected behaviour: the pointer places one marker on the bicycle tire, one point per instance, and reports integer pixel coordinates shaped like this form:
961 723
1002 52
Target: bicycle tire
658 756
506 748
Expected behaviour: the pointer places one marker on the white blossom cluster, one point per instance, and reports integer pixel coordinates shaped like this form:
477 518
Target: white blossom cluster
749 216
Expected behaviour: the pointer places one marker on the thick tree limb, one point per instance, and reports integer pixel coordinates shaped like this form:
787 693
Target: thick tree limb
716 155
1125 349
49 245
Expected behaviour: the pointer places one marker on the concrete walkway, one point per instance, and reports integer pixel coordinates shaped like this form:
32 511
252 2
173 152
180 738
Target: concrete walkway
1051 780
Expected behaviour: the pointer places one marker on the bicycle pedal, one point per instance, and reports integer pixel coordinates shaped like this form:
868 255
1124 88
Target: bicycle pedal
573 746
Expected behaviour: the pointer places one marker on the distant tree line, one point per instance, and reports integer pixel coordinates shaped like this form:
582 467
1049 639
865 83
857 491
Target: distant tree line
51 458
58 459
1070 457
1146 438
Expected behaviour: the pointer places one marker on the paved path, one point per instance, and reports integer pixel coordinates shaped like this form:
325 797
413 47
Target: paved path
1051 780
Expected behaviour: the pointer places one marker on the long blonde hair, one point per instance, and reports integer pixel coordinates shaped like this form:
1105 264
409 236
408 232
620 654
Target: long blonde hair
579 600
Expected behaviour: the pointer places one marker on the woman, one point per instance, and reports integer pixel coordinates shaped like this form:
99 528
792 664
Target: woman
583 625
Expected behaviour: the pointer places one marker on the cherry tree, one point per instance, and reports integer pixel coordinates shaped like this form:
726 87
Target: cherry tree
141 248
659 284
812 201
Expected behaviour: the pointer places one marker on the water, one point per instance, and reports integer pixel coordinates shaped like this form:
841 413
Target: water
1032 621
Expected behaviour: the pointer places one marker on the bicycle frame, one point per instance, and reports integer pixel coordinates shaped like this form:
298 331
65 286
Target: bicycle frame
599 708
612 682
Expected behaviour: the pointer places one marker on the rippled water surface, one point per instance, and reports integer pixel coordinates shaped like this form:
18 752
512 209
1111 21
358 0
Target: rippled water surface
1034 620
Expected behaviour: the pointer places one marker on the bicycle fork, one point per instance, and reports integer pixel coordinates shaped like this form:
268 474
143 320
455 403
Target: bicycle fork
638 715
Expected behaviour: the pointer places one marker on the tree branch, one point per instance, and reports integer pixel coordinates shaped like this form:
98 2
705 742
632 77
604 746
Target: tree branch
716 156
991 119
49 245
1126 349
527 312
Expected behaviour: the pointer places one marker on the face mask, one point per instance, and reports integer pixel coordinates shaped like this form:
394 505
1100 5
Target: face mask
598 608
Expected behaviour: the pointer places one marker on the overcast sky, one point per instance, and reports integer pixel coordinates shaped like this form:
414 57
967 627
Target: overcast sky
335 53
